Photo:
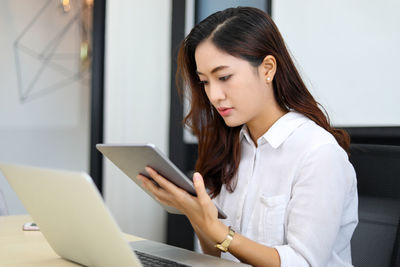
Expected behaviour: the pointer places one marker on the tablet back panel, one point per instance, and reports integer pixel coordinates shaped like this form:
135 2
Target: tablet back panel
132 159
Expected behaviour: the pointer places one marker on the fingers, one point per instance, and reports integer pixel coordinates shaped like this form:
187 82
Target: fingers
164 183
200 188
157 191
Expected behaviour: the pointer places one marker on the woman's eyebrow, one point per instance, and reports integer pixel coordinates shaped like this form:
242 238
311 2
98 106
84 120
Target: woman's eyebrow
214 69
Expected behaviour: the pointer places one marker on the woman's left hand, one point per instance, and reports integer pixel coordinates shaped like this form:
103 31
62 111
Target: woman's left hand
199 209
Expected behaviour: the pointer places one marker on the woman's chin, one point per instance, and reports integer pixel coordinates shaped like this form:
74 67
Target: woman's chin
232 123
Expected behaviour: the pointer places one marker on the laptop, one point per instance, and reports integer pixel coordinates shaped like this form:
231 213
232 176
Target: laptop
72 216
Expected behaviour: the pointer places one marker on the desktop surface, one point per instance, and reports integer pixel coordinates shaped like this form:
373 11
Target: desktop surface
28 248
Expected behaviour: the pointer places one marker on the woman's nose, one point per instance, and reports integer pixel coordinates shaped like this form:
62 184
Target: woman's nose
215 93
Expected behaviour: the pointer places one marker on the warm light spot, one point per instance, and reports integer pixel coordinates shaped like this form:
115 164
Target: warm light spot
66 5
84 50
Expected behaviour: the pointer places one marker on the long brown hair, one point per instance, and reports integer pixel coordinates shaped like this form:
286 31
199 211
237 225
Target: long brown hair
250 34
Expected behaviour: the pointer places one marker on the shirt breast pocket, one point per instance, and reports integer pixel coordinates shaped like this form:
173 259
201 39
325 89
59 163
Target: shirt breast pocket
272 219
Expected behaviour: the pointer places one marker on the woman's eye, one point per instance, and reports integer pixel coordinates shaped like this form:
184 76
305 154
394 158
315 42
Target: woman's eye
224 78
203 82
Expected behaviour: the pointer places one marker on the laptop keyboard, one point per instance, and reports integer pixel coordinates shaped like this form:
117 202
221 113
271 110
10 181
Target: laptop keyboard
148 260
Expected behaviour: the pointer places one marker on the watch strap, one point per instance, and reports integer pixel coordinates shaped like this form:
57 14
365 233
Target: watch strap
224 246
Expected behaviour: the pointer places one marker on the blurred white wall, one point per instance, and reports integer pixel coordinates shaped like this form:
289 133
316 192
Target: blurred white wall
44 106
137 85
348 53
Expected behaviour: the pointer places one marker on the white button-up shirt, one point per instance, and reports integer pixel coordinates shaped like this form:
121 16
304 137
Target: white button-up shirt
297 192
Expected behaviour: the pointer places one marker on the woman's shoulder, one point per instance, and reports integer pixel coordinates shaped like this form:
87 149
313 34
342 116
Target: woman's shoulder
310 137
318 149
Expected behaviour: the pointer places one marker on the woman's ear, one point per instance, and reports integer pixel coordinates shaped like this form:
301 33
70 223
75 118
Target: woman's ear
268 68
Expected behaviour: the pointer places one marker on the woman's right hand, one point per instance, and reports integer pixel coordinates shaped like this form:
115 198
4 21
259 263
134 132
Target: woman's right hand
199 209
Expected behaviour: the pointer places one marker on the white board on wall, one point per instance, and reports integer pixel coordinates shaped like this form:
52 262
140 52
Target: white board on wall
348 52
44 94
40 72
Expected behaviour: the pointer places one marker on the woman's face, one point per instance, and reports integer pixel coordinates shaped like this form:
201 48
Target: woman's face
235 88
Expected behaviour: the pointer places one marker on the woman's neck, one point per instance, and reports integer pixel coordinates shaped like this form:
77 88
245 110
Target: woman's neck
261 125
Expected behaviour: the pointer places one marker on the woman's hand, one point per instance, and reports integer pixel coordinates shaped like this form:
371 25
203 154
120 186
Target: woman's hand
200 210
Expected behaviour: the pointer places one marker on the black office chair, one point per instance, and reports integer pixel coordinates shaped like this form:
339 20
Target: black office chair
376 240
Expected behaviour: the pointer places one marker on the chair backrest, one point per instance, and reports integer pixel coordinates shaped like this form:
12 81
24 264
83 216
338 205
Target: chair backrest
376 239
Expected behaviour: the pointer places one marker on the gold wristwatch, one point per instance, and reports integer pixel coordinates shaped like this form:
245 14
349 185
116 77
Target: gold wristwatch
225 244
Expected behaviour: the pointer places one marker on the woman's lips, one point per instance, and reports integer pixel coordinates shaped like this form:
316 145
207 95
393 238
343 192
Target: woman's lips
224 111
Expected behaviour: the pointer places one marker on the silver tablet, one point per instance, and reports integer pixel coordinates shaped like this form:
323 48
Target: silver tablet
132 160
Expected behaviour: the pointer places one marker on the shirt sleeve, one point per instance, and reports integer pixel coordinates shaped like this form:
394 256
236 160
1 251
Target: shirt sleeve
316 207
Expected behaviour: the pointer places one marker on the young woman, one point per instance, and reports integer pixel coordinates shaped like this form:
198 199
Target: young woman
267 154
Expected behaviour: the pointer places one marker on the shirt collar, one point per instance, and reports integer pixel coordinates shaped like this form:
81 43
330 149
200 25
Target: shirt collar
279 131
244 132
